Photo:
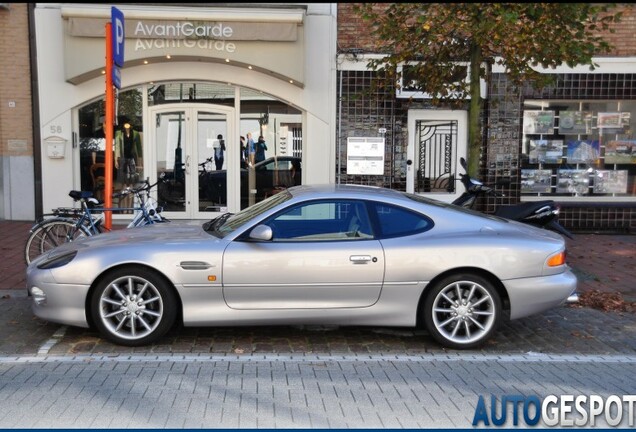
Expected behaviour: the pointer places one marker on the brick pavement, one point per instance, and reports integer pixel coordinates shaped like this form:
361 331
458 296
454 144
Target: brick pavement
293 391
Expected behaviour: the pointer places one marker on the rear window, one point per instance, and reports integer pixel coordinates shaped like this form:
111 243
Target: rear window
452 207
397 221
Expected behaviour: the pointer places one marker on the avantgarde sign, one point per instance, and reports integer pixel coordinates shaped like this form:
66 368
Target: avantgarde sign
184 34
186 29
187 38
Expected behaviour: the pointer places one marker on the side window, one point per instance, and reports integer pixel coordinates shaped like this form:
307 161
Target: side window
323 221
396 221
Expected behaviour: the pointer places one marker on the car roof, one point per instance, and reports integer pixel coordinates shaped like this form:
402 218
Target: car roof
350 190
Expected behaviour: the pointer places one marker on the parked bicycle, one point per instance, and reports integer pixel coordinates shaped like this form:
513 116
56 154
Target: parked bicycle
69 223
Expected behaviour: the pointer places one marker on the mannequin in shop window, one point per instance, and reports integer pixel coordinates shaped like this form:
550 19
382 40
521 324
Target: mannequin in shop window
219 152
128 156
251 150
243 153
261 146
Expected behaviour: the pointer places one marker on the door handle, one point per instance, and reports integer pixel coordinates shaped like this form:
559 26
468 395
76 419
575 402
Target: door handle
187 164
360 259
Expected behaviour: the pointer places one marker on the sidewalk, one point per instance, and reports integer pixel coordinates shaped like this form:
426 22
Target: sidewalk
602 262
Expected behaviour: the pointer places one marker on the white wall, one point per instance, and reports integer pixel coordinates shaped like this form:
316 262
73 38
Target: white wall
17 204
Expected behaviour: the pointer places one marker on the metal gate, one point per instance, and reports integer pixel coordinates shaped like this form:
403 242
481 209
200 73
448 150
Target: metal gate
297 141
436 149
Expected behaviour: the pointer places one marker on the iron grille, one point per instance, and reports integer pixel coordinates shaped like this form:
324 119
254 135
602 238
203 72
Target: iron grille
436 148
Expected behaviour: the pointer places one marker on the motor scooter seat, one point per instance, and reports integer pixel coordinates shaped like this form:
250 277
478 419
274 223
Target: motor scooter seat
522 210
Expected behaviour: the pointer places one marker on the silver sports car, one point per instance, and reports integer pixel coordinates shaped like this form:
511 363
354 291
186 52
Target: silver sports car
331 255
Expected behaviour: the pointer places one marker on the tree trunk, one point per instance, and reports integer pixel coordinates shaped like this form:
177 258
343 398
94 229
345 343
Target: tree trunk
474 114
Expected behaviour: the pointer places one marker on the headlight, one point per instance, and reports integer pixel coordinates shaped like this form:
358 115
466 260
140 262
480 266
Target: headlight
57 261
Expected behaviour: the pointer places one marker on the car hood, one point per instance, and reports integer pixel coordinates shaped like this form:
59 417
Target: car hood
161 234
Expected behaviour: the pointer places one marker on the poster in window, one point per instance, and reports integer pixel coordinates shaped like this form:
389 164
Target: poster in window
613 122
583 151
575 122
538 122
536 181
606 182
573 181
545 151
620 152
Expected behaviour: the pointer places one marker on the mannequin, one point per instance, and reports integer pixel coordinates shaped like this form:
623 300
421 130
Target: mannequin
128 156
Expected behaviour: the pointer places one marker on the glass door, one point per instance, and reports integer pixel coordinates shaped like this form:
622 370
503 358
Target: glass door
191 155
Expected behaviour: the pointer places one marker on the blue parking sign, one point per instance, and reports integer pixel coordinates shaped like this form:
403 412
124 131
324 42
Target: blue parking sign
117 24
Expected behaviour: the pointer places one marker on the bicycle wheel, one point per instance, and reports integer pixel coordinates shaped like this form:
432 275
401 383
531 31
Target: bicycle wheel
52 233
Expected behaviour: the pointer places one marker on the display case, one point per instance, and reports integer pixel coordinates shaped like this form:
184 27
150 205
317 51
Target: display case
579 150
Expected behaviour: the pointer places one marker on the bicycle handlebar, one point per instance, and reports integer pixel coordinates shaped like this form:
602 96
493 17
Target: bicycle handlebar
144 188
210 159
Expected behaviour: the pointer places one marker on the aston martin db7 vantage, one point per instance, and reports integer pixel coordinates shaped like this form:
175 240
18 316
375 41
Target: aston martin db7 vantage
328 255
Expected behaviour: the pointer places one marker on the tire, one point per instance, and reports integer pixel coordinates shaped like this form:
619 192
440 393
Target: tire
467 323
51 233
120 315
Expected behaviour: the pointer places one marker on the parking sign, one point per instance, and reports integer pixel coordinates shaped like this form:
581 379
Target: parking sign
117 20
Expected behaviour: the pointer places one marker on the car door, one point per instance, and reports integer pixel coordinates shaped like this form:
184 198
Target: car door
323 254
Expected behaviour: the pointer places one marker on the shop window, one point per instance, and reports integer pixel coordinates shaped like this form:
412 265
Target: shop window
276 162
127 148
579 150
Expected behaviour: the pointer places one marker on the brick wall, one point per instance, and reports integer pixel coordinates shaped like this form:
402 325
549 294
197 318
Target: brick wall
624 37
353 31
15 82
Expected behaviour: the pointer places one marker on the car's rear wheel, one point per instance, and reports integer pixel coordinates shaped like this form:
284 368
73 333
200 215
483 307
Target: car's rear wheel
133 306
462 311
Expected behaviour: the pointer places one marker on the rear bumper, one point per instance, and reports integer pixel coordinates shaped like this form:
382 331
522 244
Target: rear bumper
529 296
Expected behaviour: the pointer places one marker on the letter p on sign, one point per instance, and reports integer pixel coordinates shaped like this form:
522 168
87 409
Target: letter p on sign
117 22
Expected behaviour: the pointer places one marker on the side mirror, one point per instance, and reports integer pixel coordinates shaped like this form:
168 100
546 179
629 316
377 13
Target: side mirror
261 233
463 163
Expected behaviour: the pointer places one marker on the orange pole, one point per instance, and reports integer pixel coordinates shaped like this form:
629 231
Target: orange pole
110 121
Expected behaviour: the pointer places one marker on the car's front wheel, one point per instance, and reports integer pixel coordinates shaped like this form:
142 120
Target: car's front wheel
462 311
133 306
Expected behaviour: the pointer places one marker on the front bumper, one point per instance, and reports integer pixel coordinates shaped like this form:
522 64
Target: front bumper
529 296
59 303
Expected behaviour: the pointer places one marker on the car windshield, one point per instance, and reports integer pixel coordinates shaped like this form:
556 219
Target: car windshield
225 224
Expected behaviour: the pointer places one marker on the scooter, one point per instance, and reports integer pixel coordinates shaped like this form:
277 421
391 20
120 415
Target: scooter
543 214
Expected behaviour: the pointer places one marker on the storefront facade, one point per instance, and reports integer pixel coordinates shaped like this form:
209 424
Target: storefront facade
573 142
297 75
195 80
